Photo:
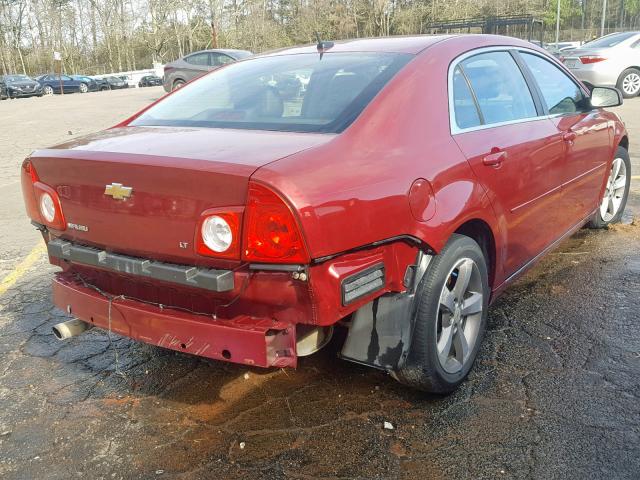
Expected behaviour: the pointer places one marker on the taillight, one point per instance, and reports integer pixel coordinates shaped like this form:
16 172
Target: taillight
591 59
218 233
49 206
271 232
41 200
29 170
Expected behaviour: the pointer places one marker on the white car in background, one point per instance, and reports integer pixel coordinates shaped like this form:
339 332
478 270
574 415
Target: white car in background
612 60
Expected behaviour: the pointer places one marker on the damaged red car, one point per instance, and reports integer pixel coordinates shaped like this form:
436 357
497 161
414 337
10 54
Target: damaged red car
393 187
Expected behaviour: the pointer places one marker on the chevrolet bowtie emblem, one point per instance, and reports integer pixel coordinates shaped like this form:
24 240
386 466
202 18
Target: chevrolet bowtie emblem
117 191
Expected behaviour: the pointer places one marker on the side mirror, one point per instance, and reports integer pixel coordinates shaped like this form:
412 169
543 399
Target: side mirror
605 97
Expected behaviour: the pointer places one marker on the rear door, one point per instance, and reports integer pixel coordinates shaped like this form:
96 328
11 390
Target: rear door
516 153
585 131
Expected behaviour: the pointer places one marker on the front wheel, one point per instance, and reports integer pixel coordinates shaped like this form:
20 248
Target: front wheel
48 90
629 83
451 317
616 191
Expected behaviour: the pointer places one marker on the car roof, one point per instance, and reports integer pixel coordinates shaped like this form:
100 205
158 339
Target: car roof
218 50
395 44
402 44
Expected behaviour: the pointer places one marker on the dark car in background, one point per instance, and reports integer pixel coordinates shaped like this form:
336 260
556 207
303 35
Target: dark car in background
150 81
102 84
55 83
15 86
87 84
196 64
116 83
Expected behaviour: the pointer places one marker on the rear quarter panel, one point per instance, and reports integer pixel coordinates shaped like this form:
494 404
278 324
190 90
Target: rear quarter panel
354 190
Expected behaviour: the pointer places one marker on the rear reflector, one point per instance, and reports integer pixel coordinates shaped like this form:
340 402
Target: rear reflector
362 283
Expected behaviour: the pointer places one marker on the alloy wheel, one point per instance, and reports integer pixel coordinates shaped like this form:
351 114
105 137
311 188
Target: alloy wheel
83 88
459 315
48 90
631 84
614 193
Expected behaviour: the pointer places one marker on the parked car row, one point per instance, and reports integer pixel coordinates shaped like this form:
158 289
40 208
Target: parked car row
16 86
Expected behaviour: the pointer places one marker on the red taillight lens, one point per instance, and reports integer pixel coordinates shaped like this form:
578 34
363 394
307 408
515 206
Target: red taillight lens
591 59
49 206
218 233
30 171
42 201
271 232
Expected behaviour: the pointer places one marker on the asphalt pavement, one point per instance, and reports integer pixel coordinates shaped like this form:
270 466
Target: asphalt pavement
555 392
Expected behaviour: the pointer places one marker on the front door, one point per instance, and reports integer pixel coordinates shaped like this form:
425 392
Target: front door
516 153
586 137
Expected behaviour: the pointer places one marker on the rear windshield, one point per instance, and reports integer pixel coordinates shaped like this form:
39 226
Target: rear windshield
304 92
609 41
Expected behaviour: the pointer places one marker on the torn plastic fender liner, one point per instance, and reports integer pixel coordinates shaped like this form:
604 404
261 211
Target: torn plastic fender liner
380 332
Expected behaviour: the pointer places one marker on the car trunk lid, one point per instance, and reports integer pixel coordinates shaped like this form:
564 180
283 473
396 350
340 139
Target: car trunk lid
174 175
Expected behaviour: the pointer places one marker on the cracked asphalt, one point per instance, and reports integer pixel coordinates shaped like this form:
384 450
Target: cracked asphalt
555 392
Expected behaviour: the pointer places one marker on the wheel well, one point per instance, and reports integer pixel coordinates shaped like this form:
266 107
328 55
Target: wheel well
624 143
480 231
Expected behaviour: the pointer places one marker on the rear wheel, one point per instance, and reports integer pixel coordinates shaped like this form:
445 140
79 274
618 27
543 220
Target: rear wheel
177 84
450 320
629 83
84 88
616 191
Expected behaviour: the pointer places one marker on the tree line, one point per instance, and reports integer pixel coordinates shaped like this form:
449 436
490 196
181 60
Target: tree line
102 36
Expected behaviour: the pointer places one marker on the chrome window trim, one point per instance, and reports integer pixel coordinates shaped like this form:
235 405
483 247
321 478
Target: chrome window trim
453 126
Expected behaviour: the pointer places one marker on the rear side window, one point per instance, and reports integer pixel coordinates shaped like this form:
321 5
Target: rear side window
499 86
464 105
559 92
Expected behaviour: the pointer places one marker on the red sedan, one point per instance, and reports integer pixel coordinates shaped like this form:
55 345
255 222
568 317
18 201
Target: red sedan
390 186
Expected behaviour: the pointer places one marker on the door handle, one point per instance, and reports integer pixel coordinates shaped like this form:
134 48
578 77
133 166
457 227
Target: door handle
569 136
494 159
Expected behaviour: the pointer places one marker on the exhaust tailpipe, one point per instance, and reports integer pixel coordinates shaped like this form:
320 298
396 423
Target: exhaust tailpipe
310 339
70 328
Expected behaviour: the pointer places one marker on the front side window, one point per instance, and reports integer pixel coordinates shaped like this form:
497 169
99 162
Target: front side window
304 92
499 86
559 92
221 59
201 59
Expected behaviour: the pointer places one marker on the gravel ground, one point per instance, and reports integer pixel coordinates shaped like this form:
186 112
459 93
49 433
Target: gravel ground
555 393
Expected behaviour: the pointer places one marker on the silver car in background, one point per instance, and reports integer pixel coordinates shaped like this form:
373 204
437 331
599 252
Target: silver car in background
612 60
196 64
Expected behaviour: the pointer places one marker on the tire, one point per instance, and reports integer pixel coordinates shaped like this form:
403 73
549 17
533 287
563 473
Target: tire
629 83
177 84
434 323
612 205
84 88
48 90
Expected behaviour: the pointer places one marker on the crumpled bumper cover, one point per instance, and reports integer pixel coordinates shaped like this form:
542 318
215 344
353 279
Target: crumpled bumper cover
246 340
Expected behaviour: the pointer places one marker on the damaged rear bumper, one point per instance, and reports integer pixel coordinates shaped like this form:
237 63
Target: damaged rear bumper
262 342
